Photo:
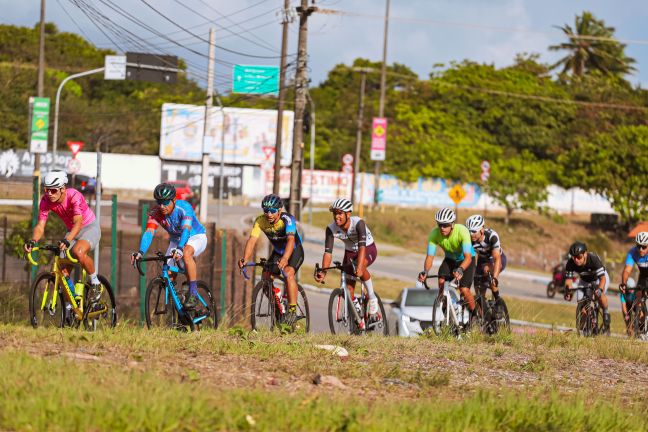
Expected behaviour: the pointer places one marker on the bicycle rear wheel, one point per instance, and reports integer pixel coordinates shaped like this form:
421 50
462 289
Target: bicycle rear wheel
640 321
302 321
264 308
159 309
101 313
339 313
501 319
46 307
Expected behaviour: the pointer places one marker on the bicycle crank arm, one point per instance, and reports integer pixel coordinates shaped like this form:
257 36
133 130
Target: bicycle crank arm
97 313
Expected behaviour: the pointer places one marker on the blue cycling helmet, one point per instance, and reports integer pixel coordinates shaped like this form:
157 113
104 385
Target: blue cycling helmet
271 201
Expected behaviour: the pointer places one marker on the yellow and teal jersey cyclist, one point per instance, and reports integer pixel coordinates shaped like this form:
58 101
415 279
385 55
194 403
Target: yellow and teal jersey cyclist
287 251
459 262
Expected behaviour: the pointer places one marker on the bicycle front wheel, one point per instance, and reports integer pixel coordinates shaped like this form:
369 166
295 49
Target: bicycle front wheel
101 312
302 320
46 306
501 318
264 308
206 307
159 308
339 314
640 321
585 319
441 324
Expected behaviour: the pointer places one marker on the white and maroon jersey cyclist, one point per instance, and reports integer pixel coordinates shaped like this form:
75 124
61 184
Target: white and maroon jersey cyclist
357 235
484 247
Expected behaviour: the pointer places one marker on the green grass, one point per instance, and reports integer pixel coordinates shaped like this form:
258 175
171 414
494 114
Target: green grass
133 379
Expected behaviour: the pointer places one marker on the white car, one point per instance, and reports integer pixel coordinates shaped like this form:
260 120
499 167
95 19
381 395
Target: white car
412 310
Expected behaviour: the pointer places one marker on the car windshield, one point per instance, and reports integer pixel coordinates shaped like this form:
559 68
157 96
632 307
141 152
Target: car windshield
421 298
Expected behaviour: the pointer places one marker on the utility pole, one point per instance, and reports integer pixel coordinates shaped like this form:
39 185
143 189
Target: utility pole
41 85
204 182
381 111
280 105
356 165
301 83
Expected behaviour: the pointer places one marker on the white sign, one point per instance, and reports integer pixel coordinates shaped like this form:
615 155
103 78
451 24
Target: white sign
485 165
484 176
115 67
73 166
347 159
249 134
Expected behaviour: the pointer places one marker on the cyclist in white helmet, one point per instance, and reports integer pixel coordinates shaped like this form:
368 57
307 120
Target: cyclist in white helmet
359 250
490 256
83 227
637 255
459 261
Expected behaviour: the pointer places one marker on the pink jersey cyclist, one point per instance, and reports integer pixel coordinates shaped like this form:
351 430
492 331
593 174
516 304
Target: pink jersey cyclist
72 205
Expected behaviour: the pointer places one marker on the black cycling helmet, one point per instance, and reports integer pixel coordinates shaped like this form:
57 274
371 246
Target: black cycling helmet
164 191
271 201
577 248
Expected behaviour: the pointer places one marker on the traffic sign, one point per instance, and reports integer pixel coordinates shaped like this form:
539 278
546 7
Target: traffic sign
347 169
485 165
484 176
378 139
39 111
75 147
115 67
255 79
347 159
74 166
457 193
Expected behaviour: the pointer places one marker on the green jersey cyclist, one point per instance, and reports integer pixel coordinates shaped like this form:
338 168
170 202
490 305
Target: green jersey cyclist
459 261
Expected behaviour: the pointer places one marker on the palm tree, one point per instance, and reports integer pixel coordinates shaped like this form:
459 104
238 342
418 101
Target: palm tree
592 47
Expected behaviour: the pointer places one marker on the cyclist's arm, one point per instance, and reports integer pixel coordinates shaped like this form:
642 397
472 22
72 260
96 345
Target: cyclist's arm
569 276
600 271
249 248
39 230
468 250
147 237
627 270
431 251
290 246
602 281
76 229
291 232
361 228
497 260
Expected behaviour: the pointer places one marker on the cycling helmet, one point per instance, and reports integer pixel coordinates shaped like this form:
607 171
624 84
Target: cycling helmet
445 216
342 204
642 238
475 222
55 179
271 201
577 248
164 191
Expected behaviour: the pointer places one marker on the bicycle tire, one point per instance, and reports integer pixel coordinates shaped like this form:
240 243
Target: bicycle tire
303 311
640 324
49 318
584 320
439 326
551 290
502 317
107 300
338 323
263 306
481 312
210 309
157 311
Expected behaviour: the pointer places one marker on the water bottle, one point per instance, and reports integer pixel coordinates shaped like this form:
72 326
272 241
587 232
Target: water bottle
78 290
277 295
70 284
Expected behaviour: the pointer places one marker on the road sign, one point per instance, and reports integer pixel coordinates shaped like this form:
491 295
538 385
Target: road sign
457 193
485 165
347 169
39 113
484 176
115 67
347 159
157 68
74 166
75 147
255 79
378 139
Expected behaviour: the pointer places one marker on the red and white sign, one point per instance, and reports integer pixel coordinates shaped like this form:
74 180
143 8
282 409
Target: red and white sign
378 138
485 166
347 169
347 159
73 166
484 176
75 147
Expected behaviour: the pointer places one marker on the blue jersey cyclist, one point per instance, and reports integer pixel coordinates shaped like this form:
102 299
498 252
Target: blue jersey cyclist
287 251
637 255
187 235
459 261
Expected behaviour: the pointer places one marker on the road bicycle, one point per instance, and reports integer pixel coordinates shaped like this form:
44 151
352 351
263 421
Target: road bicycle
589 315
270 302
638 312
492 313
344 317
164 303
56 301
449 316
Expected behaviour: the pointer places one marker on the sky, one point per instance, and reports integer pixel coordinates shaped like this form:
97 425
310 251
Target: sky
422 33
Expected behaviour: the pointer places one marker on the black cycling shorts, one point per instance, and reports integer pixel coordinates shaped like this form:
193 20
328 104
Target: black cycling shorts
295 261
490 261
447 267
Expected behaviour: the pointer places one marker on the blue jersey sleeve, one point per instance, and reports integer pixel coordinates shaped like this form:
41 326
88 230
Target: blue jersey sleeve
630 261
291 226
186 218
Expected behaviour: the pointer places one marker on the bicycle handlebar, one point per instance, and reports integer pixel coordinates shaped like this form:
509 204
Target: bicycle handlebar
428 277
50 248
337 265
262 263
158 257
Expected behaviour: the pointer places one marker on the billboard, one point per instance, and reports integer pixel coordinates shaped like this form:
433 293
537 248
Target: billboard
247 133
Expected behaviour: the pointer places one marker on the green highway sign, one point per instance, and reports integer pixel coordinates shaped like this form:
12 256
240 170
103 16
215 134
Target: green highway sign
255 79
39 114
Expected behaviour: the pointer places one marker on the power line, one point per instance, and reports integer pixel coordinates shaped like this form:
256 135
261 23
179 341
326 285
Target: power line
74 22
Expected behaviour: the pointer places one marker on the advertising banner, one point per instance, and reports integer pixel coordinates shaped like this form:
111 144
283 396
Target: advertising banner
378 139
192 172
247 133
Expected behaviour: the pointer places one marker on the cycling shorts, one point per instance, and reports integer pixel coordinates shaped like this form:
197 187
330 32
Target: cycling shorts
581 284
448 265
295 261
198 242
490 261
351 258
90 233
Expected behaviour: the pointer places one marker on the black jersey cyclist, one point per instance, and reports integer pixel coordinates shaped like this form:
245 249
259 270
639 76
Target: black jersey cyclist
287 251
490 256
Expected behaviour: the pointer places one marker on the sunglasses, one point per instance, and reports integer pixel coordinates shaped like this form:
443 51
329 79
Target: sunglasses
642 247
445 225
270 210
579 256
164 203
52 191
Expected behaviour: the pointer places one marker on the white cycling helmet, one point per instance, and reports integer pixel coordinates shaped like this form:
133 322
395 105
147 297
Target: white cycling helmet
342 204
642 238
475 222
445 216
55 179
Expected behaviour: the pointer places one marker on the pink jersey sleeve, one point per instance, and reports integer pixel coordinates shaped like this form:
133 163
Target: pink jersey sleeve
79 206
43 209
